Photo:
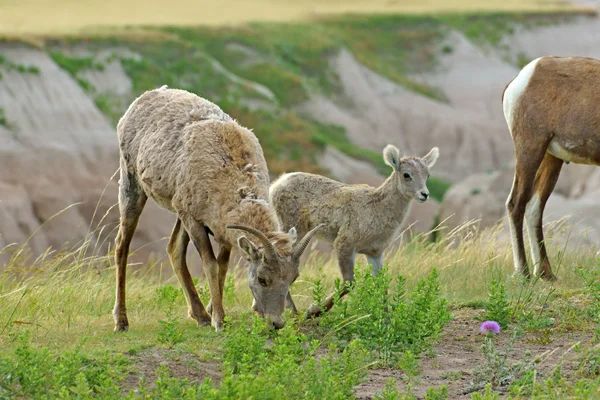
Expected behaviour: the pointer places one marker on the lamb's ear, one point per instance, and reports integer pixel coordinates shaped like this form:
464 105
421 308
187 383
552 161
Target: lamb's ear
293 234
391 156
431 157
248 247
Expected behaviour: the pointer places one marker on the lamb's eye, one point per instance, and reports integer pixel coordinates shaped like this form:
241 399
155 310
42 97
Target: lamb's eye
262 281
406 175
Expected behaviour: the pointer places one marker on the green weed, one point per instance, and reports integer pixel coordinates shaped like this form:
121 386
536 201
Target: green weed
386 318
170 332
498 307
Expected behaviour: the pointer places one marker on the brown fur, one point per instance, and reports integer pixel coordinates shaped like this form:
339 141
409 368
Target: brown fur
555 119
196 161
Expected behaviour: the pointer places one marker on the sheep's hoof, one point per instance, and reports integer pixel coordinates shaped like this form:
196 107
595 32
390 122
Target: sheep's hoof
218 324
202 320
121 327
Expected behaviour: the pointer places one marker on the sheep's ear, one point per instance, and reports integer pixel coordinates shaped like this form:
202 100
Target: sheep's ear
431 157
248 248
293 235
391 156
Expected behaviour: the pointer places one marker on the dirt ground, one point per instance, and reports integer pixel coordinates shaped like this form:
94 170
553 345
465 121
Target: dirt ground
182 365
458 353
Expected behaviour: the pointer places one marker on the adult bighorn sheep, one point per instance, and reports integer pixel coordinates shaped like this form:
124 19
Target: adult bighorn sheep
358 218
552 111
196 161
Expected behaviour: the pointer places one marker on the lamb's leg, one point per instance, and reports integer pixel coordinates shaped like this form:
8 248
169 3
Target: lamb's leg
546 178
131 203
201 241
177 249
346 255
223 262
376 262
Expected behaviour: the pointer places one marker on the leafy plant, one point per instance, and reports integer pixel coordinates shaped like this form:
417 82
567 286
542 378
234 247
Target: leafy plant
390 323
170 332
498 307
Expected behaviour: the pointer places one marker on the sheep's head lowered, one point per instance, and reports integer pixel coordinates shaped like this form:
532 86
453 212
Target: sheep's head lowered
271 272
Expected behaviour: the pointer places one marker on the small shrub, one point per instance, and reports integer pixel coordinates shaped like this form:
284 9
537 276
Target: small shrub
170 332
498 308
392 323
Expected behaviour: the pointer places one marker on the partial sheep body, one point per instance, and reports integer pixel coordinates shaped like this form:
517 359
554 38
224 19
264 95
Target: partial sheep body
551 110
192 158
357 219
196 161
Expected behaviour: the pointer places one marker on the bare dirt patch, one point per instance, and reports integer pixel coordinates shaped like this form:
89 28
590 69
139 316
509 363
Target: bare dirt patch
458 353
181 365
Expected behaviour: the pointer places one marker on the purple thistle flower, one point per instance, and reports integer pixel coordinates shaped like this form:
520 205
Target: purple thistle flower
490 326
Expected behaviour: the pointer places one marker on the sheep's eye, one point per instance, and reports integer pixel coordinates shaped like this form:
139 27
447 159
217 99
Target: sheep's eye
262 281
406 175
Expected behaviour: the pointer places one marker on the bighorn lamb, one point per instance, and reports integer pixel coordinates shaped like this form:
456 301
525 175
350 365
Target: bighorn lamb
358 218
552 111
196 161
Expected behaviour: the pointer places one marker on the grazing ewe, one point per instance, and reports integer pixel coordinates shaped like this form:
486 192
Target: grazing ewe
357 218
194 160
552 111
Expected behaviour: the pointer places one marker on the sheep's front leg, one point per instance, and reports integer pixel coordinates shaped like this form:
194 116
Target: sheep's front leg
346 254
201 241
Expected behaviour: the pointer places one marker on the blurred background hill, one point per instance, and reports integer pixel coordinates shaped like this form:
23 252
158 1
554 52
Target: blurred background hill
324 85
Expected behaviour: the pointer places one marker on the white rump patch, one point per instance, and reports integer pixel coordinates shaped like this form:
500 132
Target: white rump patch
514 91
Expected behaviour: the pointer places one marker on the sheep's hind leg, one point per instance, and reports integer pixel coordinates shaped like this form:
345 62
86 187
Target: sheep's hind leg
131 203
201 241
177 249
346 255
545 180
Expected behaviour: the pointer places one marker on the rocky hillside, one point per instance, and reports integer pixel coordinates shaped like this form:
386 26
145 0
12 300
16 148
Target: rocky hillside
324 97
